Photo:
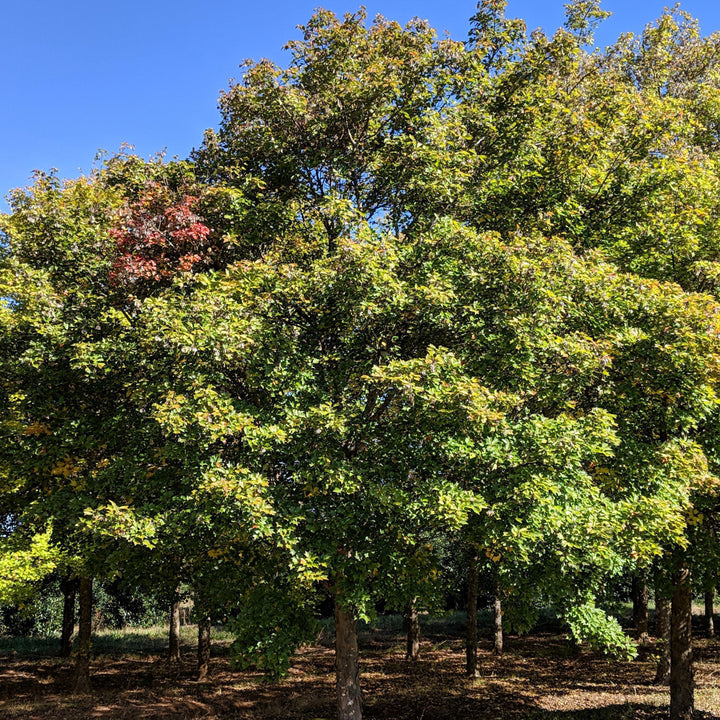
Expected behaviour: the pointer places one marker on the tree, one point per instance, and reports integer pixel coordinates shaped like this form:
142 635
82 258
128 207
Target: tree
311 147
613 150
355 127
23 563
68 423
53 440
359 433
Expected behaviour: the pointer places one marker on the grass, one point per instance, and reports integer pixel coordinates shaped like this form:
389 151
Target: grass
151 640
28 646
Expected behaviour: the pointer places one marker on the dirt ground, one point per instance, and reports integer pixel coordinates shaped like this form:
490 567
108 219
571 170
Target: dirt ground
540 677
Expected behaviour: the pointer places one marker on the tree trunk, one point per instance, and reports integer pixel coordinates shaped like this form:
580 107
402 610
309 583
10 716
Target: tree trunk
347 668
174 649
81 681
640 597
497 620
471 669
709 612
682 687
203 653
68 586
662 632
411 625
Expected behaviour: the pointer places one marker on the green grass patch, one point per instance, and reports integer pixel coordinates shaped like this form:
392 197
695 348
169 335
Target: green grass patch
30 646
151 640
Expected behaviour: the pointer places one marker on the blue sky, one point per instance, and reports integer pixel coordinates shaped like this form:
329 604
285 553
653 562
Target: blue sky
79 76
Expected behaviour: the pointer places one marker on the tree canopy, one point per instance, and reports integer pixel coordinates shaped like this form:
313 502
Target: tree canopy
410 291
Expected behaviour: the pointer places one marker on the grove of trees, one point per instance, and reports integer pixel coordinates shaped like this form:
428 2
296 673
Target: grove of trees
413 298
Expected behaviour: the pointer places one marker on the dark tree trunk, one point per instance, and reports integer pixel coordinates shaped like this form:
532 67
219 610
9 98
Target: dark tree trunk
682 687
68 586
662 632
81 681
640 597
174 637
497 620
471 669
709 612
347 667
203 654
411 625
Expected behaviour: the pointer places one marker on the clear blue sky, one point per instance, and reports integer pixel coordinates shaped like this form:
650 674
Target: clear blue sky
81 75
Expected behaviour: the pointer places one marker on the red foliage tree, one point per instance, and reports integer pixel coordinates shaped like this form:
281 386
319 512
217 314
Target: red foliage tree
159 236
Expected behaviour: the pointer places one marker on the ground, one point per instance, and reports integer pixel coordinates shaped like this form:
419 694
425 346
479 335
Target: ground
540 677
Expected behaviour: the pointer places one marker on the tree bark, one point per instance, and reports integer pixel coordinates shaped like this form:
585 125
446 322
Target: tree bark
347 667
68 585
682 686
497 620
411 624
662 632
174 637
471 669
203 652
81 681
710 612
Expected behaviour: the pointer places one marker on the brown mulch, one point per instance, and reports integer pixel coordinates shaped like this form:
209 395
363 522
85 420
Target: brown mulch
538 678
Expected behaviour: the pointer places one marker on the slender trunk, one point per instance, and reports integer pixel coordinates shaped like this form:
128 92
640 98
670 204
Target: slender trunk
497 619
411 624
203 654
682 687
662 632
641 596
471 669
68 586
347 668
174 649
709 612
81 681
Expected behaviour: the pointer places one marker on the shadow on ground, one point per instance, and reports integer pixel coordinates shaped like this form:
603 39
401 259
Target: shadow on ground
538 678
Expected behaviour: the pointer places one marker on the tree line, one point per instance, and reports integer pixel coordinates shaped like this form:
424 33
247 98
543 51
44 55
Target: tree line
411 294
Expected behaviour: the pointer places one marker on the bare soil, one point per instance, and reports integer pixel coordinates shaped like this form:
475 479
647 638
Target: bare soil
540 677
